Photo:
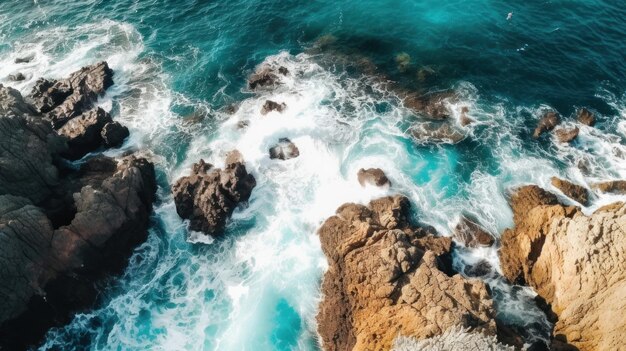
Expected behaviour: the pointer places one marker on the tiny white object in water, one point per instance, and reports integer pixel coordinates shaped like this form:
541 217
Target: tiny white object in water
509 16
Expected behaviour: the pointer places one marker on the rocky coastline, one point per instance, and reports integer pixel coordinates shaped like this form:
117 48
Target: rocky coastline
64 227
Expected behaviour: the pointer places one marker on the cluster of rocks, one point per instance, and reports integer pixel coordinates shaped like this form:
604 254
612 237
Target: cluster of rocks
62 229
577 263
551 119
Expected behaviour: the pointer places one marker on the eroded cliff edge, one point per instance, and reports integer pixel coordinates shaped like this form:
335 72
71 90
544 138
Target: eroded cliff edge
577 263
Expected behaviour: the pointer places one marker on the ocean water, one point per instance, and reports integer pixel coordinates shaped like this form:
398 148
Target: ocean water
179 64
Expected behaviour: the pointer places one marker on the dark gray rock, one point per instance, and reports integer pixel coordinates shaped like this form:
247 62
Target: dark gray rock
113 134
284 150
208 197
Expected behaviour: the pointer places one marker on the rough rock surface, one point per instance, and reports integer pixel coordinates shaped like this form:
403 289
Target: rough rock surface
586 117
113 134
28 147
209 195
62 230
284 150
387 278
547 123
612 186
577 263
68 98
17 77
571 190
270 106
48 273
83 133
471 234
566 135
432 106
266 76
455 339
373 176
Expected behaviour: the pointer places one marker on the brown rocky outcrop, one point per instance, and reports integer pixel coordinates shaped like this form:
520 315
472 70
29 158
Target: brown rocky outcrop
208 196
83 132
576 263
611 186
571 190
586 117
471 234
270 106
432 105
387 279
566 135
284 150
547 123
373 176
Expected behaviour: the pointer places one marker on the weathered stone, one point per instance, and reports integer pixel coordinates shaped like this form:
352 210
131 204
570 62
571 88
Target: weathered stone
373 176
437 133
209 195
586 117
270 106
17 77
612 186
471 234
547 123
577 263
284 150
571 190
385 280
113 134
84 132
566 135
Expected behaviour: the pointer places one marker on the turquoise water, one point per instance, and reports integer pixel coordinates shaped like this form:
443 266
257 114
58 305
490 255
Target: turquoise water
178 63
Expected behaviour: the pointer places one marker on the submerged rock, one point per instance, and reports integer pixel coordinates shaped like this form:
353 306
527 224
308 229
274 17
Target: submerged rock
437 133
576 263
566 135
571 190
471 234
547 123
270 106
373 176
284 150
17 77
431 106
613 186
25 59
388 279
586 117
465 120
208 196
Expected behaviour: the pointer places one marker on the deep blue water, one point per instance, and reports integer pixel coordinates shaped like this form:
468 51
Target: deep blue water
178 63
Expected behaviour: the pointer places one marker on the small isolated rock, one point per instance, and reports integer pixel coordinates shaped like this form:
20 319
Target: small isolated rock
283 70
209 195
25 59
613 186
243 124
431 106
426 73
571 190
113 134
17 77
284 150
270 106
586 117
471 234
547 123
373 176
566 135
